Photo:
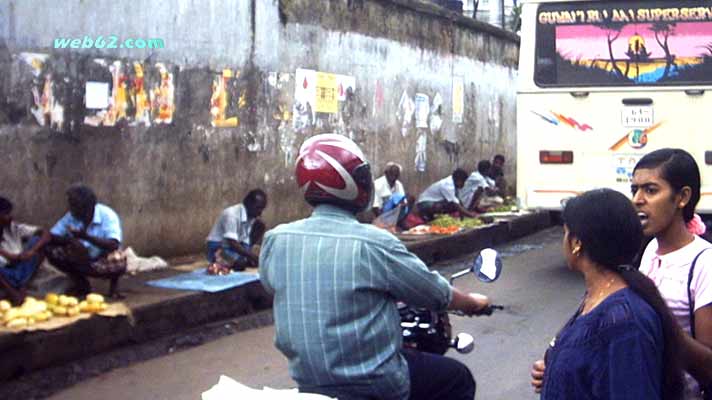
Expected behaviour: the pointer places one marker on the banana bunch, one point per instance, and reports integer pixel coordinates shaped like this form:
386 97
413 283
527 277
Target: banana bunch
30 312
94 303
62 305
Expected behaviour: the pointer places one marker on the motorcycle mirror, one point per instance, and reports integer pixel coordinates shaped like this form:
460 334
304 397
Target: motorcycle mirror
487 266
464 343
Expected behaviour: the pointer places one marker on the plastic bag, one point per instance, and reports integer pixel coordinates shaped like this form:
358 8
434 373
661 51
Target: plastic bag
389 219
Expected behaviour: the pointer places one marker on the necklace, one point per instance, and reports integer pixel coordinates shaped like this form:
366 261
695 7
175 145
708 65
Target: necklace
593 302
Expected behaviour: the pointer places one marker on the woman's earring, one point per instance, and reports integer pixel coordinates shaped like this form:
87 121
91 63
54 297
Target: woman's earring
576 251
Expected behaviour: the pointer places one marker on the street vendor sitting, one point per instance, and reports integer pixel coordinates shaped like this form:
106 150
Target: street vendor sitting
21 252
478 187
86 242
387 186
442 197
237 234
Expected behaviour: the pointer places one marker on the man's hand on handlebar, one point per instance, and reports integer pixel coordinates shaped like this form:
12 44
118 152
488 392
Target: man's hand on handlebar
468 303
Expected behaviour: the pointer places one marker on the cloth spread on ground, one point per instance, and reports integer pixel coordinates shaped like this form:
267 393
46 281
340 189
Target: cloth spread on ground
200 280
143 264
112 310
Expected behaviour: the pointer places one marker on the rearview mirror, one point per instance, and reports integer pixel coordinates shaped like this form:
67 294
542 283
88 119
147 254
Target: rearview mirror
487 266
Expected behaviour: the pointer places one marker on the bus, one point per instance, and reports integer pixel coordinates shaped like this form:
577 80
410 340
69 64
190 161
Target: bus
601 83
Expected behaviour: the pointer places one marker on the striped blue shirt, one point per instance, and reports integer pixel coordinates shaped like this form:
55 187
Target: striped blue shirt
335 283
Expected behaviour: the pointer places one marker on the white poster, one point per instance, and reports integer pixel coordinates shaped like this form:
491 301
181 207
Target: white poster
422 110
97 95
458 99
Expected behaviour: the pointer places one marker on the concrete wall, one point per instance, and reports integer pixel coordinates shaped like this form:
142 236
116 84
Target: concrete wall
169 170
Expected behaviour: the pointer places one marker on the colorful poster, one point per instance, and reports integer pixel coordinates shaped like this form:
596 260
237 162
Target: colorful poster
46 108
422 110
458 99
162 96
222 98
345 83
327 99
304 97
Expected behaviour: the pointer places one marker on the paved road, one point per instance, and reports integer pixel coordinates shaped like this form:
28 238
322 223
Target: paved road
539 290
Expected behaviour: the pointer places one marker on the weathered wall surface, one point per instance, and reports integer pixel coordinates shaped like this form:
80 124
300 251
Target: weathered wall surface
189 128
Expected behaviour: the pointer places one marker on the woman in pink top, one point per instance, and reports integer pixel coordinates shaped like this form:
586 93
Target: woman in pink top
666 189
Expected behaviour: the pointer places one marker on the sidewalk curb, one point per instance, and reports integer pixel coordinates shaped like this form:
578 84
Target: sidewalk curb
165 312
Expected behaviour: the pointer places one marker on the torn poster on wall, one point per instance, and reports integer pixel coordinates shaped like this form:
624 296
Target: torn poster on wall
279 93
162 96
226 99
406 108
142 104
46 108
458 99
421 151
124 98
318 92
116 105
422 110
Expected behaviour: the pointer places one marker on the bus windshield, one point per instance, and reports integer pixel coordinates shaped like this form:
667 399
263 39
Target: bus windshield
624 43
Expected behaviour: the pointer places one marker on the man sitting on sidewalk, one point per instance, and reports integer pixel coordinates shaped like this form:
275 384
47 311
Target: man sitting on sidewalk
237 231
20 252
86 241
442 197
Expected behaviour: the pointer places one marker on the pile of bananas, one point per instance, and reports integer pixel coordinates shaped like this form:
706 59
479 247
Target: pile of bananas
30 312
33 310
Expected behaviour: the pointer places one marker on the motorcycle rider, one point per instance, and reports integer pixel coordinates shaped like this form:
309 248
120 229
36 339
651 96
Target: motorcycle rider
336 281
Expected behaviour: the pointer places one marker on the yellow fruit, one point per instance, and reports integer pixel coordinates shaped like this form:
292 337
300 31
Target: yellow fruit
63 300
17 323
102 306
95 298
52 298
84 306
43 316
60 310
5 305
72 301
30 321
73 311
12 314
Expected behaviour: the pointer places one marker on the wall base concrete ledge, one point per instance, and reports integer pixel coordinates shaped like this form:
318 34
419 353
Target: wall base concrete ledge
159 312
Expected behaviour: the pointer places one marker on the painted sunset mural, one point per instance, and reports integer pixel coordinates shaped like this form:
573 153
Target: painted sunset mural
636 53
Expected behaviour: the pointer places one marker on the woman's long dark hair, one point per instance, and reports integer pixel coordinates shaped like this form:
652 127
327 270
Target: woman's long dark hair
610 233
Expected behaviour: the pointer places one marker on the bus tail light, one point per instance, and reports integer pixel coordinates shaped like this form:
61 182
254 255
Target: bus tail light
556 157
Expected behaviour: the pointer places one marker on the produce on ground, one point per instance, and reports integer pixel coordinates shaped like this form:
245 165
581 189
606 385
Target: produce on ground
33 310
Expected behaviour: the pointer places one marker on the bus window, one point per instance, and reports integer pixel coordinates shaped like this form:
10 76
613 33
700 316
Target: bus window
624 43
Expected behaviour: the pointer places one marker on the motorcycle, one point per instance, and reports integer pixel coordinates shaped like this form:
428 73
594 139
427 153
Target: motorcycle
422 329
431 331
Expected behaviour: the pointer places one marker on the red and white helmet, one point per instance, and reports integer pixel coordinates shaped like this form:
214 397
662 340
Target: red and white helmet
332 169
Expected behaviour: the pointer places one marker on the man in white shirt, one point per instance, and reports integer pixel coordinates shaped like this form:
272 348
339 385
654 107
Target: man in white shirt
386 186
237 231
20 252
480 189
475 186
442 197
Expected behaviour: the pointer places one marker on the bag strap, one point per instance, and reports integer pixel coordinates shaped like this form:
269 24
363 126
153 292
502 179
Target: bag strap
690 300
